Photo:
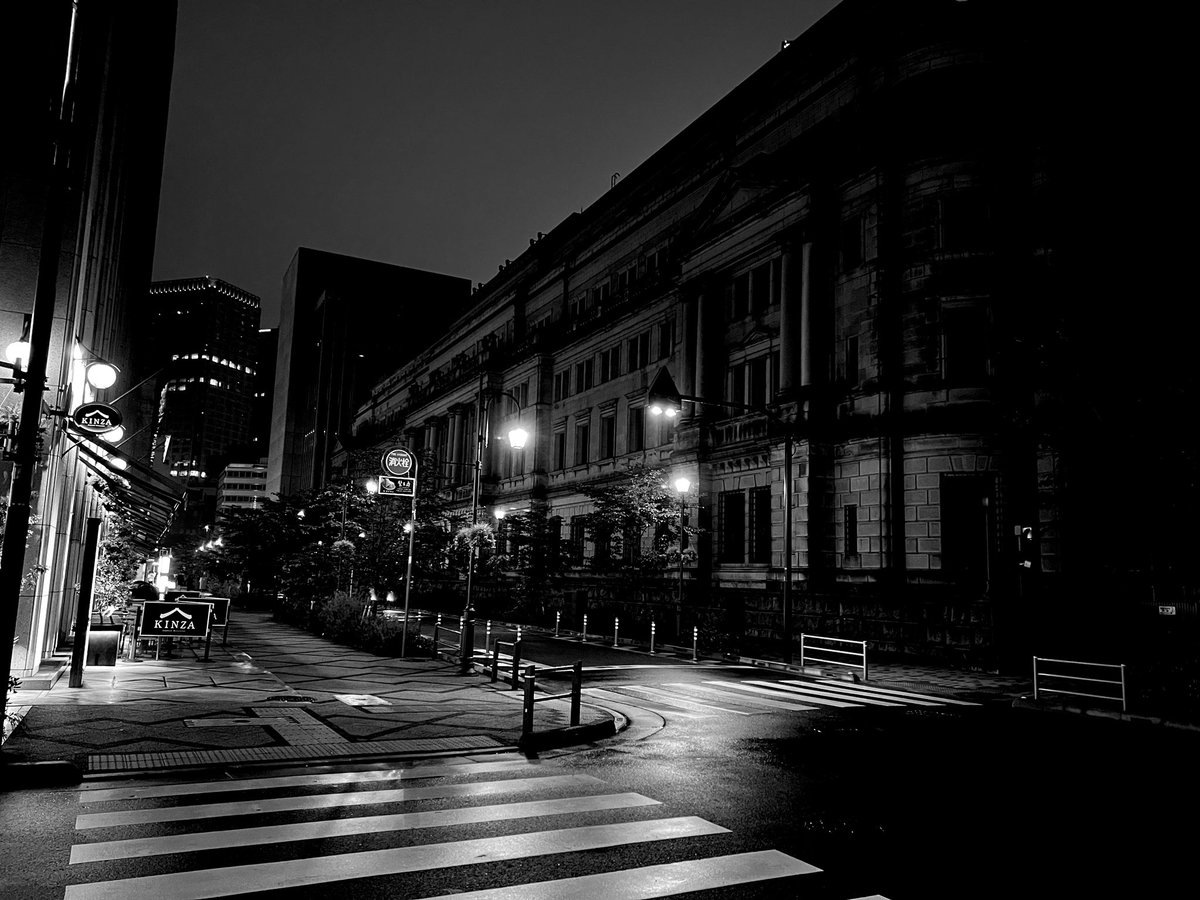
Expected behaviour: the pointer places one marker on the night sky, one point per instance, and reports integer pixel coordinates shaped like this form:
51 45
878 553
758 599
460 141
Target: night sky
438 135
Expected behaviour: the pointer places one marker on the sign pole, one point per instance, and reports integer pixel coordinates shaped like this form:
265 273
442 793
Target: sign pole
412 535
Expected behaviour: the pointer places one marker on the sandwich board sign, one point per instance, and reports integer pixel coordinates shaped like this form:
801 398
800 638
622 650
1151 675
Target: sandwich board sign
176 619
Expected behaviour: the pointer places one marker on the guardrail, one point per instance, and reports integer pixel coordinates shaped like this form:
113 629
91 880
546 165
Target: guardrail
841 656
1070 680
439 644
531 674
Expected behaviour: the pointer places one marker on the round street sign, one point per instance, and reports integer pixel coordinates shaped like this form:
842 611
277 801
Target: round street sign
398 462
96 417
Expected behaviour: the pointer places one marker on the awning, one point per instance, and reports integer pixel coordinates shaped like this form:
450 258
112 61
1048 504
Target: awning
147 501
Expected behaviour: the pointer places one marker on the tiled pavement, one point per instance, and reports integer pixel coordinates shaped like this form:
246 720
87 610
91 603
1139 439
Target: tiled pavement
275 692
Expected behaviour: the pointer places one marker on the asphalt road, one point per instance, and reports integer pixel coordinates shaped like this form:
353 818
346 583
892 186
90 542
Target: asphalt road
909 801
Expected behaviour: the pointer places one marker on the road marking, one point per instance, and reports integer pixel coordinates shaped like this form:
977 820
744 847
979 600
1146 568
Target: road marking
648 882
260 876
781 690
300 831
889 691
751 689
736 698
641 703
856 692
668 697
146 792
807 689
328 801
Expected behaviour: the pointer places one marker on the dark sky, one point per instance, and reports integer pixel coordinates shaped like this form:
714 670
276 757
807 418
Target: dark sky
440 135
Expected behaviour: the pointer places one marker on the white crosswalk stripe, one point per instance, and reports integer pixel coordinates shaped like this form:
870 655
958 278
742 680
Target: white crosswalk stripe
701 699
138 828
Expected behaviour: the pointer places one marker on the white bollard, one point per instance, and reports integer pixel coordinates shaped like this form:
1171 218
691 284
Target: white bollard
616 629
695 641
518 632
583 634
487 636
557 617
652 626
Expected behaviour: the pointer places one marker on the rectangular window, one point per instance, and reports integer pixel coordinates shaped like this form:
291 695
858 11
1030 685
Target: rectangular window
583 375
608 437
666 338
760 525
631 544
610 363
635 435
760 287
737 384
732 512
578 531
852 243
965 348
562 384
638 351
756 378
517 463
560 449
850 530
739 297
583 434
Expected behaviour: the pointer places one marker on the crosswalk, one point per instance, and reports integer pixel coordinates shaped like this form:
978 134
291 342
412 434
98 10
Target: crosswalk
726 697
499 828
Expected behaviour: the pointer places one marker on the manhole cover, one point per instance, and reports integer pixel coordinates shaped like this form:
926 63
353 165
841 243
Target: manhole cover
290 698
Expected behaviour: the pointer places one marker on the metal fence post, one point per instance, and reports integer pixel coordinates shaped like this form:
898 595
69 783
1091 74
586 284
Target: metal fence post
527 716
437 627
516 662
802 649
1122 687
1035 692
576 690
864 660
495 662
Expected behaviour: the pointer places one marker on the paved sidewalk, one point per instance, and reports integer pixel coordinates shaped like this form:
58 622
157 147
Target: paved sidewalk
275 693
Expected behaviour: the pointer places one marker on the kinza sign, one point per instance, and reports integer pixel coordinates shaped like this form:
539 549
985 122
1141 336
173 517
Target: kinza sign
176 619
96 418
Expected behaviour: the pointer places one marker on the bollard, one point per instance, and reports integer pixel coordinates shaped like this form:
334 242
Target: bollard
518 632
695 641
516 662
495 662
466 647
487 637
557 616
527 717
576 689
616 629
436 637
652 638
583 634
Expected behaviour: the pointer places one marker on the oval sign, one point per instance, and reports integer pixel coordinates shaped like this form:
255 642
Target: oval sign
96 417
398 462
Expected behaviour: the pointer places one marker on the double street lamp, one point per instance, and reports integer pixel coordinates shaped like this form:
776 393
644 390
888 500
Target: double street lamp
664 399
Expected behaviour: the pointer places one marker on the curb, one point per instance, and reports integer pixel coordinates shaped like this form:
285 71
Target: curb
1112 714
568 736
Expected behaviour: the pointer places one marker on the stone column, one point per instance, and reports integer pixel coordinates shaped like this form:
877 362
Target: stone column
795 357
806 337
709 362
456 445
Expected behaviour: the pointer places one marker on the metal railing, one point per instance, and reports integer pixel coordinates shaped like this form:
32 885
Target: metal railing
836 656
1072 684
514 661
573 695
440 645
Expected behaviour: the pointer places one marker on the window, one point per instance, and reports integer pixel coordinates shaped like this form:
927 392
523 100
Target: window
850 363
760 525
966 509
638 351
852 250
578 530
635 434
562 384
610 363
739 297
582 436
608 436
666 338
737 383
583 375
516 463
732 513
760 287
756 381
965 349
560 449
776 282
553 542
850 530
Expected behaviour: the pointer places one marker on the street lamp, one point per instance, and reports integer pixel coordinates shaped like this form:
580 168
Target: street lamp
664 399
682 485
517 438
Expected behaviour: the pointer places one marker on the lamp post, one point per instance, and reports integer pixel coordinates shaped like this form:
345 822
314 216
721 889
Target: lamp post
664 399
682 486
517 438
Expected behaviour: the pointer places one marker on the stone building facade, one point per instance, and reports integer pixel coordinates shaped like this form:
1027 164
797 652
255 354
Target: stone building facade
858 243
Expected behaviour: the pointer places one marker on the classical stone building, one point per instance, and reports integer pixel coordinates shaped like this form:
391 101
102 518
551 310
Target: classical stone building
857 250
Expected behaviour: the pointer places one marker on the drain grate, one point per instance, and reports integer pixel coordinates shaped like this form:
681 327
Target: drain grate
290 698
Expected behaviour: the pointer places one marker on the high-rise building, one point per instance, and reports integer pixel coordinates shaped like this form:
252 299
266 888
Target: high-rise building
264 391
78 212
242 486
344 322
207 333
